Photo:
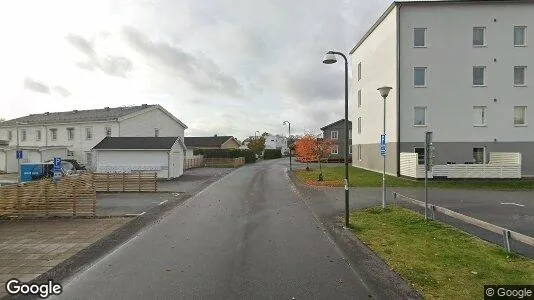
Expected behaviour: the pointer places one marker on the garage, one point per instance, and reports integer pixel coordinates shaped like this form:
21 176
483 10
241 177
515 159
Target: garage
163 155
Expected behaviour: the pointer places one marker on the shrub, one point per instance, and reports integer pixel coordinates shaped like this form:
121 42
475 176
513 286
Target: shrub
227 153
272 153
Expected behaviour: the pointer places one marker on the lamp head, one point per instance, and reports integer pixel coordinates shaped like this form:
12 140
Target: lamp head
384 91
329 58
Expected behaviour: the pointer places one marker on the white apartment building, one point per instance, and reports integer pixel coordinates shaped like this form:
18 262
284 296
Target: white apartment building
461 69
276 142
80 130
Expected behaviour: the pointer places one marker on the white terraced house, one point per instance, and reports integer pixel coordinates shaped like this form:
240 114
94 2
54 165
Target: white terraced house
77 132
461 69
276 142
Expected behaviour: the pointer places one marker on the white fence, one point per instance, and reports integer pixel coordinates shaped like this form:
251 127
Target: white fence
501 165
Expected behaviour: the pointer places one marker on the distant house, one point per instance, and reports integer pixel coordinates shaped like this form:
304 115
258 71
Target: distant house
72 134
163 155
210 142
276 142
336 132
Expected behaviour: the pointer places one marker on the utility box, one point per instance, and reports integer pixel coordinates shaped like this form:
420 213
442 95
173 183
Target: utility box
35 171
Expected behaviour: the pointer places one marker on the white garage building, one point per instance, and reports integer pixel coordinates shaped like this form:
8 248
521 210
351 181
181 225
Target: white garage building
164 155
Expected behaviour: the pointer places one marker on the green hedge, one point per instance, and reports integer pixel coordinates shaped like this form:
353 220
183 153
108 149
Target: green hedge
272 153
249 156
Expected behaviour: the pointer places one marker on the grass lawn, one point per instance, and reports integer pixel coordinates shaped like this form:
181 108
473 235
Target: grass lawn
364 178
440 261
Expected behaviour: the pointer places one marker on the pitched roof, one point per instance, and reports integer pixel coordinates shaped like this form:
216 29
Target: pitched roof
103 114
207 141
136 143
336 123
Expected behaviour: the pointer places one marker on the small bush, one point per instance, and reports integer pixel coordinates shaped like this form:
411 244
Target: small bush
272 153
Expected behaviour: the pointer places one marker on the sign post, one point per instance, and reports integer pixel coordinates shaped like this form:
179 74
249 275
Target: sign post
429 153
57 169
383 144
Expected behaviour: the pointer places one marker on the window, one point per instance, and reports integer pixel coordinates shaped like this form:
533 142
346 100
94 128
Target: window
359 124
419 75
70 153
419 116
478 76
479 115
520 115
335 149
519 75
359 98
478 155
520 35
89 159
333 134
10 135
156 133
70 133
359 71
419 37
88 133
38 135
23 135
350 134
53 134
479 36
359 152
420 155
350 149
108 131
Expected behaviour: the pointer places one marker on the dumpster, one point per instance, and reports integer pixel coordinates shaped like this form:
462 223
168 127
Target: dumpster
35 171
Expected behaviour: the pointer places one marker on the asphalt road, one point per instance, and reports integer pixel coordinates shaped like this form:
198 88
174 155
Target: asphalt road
247 236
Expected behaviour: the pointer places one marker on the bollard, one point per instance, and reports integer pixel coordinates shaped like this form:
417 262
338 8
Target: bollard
395 198
506 240
433 212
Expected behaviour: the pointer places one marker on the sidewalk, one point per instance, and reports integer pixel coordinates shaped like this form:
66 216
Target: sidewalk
29 248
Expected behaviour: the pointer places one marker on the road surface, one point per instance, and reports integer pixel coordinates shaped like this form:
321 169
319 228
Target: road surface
247 236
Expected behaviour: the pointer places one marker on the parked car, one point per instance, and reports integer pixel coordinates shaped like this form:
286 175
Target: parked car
69 165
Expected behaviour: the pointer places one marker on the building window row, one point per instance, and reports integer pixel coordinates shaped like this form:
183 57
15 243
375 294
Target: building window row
479 37
479 77
53 134
479 116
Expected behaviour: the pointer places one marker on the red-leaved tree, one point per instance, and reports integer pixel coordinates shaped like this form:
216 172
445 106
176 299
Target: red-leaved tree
304 149
322 148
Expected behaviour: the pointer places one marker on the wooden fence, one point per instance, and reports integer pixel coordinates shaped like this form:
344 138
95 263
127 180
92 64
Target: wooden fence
196 161
224 162
74 196
506 233
126 182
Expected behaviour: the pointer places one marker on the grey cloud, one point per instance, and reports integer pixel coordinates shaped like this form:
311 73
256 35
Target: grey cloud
110 65
62 91
200 71
36 86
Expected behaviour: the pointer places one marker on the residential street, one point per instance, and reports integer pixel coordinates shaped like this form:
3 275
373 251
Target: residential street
247 236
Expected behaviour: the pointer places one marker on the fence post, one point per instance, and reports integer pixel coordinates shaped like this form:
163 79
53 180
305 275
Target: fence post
433 211
139 180
123 187
506 237
395 197
73 185
107 181
155 181
45 182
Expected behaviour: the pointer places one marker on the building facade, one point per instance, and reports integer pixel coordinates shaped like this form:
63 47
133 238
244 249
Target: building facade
459 69
336 133
276 142
79 131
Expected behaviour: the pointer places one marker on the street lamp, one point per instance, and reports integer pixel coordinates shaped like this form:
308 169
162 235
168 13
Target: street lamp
330 58
287 122
384 91
255 134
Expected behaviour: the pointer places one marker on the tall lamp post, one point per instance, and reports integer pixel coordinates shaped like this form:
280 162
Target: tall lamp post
287 122
384 91
330 58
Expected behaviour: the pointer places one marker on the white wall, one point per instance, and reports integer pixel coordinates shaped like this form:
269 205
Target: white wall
144 125
126 161
3 161
378 56
450 57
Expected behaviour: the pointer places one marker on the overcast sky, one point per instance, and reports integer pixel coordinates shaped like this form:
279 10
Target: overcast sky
227 67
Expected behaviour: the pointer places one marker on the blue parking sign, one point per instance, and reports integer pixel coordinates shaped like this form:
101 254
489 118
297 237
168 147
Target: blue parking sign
57 168
382 140
19 154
